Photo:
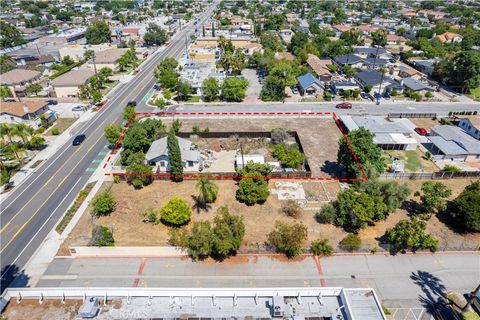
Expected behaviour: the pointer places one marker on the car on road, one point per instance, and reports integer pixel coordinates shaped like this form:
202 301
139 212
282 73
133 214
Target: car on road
79 108
52 102
79 139
344 105
386 95
421 131
364 95
132 104
295 90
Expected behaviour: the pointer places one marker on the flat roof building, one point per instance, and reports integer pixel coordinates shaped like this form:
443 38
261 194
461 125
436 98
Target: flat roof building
453 143
392 134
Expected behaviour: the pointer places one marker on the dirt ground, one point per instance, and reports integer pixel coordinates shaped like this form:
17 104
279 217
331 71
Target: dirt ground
319 137
130 230
49 309
62 124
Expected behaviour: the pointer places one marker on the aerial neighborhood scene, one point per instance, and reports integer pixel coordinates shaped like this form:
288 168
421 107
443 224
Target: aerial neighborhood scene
262 159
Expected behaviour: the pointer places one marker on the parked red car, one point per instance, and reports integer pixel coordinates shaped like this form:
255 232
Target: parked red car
344 105
421 131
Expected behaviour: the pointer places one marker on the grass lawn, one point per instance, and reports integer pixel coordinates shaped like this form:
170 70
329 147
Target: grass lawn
414 160
475 93
62 124
193 99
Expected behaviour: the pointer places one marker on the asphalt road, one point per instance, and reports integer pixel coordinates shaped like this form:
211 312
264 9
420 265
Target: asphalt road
405 283
32 210
441 108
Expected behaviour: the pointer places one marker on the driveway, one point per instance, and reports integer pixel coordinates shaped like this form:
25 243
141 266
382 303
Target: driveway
64 110
254 88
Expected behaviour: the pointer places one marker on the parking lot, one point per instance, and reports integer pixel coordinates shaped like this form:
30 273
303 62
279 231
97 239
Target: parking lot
254 88
69 110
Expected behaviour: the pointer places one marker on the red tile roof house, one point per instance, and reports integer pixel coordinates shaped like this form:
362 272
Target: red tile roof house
449 37
25 112
366 29
394 39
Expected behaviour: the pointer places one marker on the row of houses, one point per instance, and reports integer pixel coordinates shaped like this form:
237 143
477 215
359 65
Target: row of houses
445 142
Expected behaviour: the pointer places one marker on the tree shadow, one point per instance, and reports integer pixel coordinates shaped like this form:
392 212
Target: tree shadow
432 288
200 206
413 207
12 276
333 169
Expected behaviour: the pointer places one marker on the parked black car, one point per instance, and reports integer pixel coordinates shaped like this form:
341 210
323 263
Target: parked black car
132 104
78 139
52 102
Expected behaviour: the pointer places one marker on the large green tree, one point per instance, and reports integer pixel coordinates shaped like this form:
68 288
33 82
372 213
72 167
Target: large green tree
280 75
11 36
155 35
234 89
393 193
434 196
98 33
465 209
253 188
138 173
113 132
410 235
271 41
357 210
368 154
174 156
211 89
288 238
166 73
229 231
461 72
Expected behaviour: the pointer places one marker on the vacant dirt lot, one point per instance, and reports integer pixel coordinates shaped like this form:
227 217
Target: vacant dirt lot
130 230
49 309
318 137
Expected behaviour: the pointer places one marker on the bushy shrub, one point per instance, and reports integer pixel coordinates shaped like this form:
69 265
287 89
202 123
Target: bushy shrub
351 242
291 208
151 216
279 135
465 209
321 247
327 214
55 131
103 204
102 237
288 238
176 212
410 234
253 188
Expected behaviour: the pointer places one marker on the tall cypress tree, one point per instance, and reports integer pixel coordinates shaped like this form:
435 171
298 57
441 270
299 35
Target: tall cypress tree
174 156
213 30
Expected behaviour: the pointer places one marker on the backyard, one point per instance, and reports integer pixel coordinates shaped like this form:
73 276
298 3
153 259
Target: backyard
415 160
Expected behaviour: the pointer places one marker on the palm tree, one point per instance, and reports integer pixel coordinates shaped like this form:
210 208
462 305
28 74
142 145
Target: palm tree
380 40
90 54
23 131
14 149
208 191
3 131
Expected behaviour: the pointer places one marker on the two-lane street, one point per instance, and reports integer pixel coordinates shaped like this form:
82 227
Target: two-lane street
33 209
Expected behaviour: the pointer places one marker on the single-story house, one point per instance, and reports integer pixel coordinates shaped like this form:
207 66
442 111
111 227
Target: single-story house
357 62
453 143
449 37
471 126
416 85
108 58
157 155
371 52
68 84
426 66
309 85
393 134
284 55
374 79
286 35
25 112
17 80
339 86
319 66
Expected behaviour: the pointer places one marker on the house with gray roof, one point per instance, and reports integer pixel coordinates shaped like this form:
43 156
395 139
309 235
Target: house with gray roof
68 84
453 143
416 85
389 134
157 155
309 85
374 79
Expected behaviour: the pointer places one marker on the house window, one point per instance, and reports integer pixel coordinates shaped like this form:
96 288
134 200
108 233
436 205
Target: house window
163 164
190 164
12 119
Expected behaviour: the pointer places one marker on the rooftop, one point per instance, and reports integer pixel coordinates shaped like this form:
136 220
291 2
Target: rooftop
17 76
307 80
319 66
20 109
159 148
452 140
73 78
110 55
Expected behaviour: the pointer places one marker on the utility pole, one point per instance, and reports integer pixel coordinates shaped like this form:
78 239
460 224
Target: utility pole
95 68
